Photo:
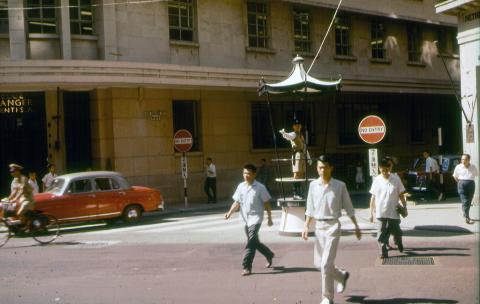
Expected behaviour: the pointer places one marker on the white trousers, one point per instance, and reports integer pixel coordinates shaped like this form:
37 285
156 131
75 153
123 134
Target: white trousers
326 243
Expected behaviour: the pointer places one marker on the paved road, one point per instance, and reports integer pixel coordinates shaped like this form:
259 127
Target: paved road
195 258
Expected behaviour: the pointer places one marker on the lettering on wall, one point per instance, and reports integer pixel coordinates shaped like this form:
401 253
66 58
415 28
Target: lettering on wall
155 115
471 17
15 104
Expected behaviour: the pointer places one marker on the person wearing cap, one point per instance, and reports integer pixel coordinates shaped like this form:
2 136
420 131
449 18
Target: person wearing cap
326 198
300 154
49 177
22 192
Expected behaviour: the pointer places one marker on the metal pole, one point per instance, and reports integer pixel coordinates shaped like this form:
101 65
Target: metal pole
184 174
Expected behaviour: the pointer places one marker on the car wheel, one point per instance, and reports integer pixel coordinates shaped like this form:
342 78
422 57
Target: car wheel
132 214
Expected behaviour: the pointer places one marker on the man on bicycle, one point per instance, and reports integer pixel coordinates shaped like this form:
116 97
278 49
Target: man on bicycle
21 193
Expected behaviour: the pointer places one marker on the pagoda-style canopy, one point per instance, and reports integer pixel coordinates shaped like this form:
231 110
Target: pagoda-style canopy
296 82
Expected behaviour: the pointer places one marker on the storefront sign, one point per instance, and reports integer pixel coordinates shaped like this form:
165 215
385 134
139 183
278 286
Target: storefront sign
373 162
471 17
14 104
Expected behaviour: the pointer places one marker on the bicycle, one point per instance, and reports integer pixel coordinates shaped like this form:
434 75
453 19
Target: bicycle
42 227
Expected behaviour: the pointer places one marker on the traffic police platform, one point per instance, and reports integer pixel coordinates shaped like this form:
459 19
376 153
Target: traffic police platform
293 211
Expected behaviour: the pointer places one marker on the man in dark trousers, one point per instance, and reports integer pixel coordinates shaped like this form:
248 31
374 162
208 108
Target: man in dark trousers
210 186
252 198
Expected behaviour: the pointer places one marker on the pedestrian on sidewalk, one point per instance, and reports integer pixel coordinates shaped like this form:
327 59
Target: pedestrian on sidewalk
386 190
32 181
326 198
252 198
432 176
49 177
465 174
210 185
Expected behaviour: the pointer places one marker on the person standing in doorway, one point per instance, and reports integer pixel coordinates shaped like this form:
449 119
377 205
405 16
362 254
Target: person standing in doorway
326 198
210 185
32 180
49 177
252 198
432 171
387 189
359 178
465 174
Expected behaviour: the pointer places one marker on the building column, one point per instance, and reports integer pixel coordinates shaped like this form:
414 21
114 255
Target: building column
65 37
107 40
17 32
469 41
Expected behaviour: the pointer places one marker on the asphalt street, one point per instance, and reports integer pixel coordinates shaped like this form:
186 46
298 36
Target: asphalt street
196 258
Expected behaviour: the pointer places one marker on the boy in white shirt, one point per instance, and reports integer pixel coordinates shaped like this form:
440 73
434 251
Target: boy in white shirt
49 177
386 190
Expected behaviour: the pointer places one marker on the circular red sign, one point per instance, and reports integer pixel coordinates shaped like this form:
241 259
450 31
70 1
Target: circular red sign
183 140
372 129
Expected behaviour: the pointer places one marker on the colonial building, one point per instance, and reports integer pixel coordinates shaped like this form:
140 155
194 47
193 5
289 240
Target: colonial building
105 84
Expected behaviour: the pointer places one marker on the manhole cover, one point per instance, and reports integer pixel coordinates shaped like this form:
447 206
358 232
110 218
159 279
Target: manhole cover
406 260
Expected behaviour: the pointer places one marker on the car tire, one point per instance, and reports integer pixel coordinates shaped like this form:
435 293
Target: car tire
132 214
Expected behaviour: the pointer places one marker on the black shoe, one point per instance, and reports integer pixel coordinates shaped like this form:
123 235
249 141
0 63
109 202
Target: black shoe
468 220
270 261
400 247
384 253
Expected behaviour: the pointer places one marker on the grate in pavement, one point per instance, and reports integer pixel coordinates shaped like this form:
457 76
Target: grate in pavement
408 260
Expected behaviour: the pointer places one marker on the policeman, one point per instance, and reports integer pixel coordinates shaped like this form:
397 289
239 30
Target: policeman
21 192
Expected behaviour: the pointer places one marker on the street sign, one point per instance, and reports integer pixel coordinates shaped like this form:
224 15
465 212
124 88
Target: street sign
372 129
184 166
373 162
183 140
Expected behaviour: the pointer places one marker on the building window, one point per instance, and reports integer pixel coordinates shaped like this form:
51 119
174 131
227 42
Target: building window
181 16
42 18
447 41
342 36
81 17
418 120
257 24
301 30
3 17
282 115
186 116
378 40
414 43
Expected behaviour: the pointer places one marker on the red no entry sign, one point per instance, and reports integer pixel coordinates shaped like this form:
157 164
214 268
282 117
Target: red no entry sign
372 129
183 140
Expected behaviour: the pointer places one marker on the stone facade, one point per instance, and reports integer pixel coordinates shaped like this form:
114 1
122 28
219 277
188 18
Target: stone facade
131 67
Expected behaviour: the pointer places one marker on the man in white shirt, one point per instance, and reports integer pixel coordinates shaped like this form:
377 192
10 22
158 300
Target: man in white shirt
432 171
252 198
210 185
465 174
32 180
49 177
326 198
386 190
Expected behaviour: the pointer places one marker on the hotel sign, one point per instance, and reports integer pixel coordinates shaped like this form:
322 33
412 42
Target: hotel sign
15 104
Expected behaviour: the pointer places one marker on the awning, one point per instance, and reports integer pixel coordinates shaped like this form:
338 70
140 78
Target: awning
296 83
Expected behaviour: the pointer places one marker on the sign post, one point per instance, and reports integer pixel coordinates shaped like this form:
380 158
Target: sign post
183 142
372 130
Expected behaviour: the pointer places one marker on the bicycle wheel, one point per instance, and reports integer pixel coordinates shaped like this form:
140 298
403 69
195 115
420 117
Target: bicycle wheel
44 228
5 233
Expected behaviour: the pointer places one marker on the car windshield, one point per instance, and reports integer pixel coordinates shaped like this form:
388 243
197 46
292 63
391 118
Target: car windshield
56 186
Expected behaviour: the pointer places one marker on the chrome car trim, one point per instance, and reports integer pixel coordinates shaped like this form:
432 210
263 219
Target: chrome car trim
89 216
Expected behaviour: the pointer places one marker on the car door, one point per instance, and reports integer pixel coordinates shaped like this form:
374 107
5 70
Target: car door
109 196
79 201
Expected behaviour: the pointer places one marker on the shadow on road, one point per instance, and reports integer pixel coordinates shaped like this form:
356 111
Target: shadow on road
362 299
436 231
283 269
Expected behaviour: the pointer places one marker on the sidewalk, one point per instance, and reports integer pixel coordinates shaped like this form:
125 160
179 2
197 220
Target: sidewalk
444 216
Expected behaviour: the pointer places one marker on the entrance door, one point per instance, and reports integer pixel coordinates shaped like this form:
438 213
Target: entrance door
23 137
77 131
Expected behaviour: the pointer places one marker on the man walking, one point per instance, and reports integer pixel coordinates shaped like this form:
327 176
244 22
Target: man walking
210 185
465 174
252 198
386 190
326 198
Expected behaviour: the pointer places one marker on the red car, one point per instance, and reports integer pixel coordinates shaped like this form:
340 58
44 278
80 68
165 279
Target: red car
95 195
